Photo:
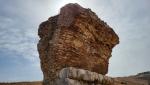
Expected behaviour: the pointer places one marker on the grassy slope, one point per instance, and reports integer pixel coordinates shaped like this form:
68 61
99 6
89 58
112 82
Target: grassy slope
23 83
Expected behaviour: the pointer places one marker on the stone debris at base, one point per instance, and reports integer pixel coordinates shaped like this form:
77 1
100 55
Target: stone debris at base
73 76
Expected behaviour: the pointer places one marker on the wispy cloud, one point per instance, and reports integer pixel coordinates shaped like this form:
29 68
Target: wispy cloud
18 39
131 22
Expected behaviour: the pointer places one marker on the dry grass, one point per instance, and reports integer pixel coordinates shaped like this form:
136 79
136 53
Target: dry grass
23 83
131 81
121 81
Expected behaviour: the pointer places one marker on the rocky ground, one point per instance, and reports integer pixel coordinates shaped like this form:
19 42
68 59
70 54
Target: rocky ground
139 79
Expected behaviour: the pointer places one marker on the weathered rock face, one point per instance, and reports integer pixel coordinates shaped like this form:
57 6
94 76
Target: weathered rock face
73 76
75 38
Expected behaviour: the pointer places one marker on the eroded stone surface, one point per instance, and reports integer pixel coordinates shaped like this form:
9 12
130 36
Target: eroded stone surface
75 38
73 76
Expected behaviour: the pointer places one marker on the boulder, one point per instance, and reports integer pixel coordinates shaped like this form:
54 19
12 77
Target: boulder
76 37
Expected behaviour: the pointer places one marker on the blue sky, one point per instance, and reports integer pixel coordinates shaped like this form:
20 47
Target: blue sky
19 21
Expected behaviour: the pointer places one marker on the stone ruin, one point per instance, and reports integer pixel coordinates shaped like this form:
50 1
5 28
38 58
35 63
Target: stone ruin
75 47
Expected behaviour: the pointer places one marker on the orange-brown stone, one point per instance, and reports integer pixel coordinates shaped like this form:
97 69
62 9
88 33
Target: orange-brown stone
75 38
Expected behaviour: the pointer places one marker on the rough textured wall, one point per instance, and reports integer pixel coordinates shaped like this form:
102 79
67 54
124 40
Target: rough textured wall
75 38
